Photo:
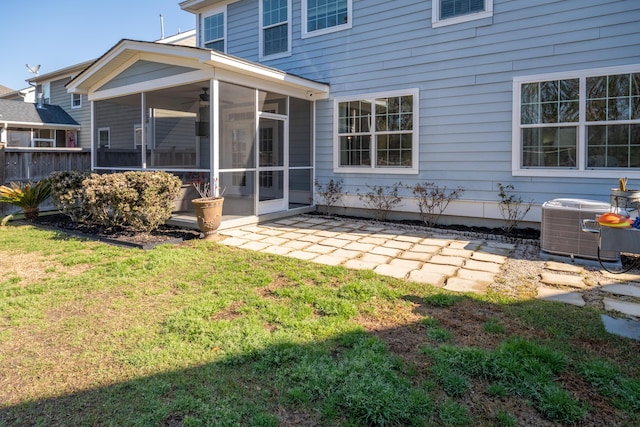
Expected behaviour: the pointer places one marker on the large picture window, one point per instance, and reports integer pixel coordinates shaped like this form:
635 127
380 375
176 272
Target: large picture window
276 31
587 121
377 133
325 16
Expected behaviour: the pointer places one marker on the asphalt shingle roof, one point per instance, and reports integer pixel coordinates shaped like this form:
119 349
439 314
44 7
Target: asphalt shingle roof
26 112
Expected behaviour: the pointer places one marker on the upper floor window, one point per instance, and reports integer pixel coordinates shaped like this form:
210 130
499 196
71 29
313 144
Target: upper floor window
76 100
214 30
325 16
45 93
377 133
276 31
587 121
447 12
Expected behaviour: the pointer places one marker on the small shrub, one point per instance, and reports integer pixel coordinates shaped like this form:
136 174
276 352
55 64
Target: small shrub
381 199
27 196
433 200
67 193
512 208
140 201
331 193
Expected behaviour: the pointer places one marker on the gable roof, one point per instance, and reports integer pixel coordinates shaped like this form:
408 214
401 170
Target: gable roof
5 90
125 52
19 113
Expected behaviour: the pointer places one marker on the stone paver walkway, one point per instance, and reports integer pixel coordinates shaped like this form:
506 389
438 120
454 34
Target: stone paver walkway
449 261
452 262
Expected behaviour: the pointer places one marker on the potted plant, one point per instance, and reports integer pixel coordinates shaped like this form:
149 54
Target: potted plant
208 208
27 196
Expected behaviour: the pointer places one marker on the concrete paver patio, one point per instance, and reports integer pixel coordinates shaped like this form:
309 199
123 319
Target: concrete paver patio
450 261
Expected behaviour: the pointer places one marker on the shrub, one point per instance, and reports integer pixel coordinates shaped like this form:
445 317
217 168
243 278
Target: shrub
331 193
27 196
381 199
512 208
67 193
433 200
140 201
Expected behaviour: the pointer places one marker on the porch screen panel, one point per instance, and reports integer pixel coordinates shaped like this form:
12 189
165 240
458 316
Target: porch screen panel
300 187
237 126
238 190
121 118
300 133
174 140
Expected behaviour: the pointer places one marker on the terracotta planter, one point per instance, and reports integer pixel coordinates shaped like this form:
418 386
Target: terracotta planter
209 214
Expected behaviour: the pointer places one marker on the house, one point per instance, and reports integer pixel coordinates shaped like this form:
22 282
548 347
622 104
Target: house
24 124
276 95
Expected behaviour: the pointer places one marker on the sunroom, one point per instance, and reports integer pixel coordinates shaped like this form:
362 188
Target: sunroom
206 117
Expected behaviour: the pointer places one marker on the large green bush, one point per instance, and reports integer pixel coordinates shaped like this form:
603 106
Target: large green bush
140 201
67 193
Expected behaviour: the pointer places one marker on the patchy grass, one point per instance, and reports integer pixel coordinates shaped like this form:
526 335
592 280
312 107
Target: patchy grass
201 334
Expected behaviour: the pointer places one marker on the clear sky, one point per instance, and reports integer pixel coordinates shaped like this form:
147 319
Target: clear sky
60 33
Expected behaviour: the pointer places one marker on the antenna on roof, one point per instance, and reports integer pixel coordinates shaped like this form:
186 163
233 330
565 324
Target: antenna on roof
33 68
161 27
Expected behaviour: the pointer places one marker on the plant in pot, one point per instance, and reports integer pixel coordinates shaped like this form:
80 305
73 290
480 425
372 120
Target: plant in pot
27 196
208 208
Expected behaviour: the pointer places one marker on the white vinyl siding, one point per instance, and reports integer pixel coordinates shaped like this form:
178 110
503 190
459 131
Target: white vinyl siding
448 12
583 123
377 132
275 24
325 16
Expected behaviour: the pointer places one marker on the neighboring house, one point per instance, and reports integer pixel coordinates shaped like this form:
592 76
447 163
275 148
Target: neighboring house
28 125
5 90
470 93
25 95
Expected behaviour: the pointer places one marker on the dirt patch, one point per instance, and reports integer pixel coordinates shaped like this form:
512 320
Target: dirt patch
23 269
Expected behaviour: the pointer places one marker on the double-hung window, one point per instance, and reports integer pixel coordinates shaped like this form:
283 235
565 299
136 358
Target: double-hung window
325 16
275 37
447 12
76 100
585 123
214 30
377 133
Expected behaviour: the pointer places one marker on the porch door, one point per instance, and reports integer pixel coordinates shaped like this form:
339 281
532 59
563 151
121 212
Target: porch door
272 174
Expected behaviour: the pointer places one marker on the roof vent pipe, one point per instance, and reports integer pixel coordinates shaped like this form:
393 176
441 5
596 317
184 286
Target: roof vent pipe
161 27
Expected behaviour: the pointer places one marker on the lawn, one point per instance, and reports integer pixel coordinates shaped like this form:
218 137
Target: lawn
202 334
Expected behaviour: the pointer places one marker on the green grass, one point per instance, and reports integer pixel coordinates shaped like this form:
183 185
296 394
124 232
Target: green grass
202 334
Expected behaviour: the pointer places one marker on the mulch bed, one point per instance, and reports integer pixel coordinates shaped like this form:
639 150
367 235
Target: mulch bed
165 234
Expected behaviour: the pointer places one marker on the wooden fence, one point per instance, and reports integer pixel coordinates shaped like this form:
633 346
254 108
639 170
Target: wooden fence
34 164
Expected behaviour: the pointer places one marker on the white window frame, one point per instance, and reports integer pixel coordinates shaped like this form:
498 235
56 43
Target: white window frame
306 33
108 131
437 22
581 167
137 130
73 99
373 169
263 28
46 93
218 10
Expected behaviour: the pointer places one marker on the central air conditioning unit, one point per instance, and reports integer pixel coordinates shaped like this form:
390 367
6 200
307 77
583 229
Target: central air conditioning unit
562 228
